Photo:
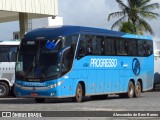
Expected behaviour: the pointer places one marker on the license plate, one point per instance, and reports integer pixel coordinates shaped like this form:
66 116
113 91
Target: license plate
34 94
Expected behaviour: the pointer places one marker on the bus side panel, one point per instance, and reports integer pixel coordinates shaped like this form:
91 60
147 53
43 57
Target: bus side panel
115 80
76 76
100 82
7 72
147 72
91 82
108 81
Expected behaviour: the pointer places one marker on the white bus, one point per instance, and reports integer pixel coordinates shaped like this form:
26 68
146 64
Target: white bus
156 64
8 50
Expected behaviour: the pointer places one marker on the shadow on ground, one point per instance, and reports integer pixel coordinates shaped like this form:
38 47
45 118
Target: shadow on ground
14 100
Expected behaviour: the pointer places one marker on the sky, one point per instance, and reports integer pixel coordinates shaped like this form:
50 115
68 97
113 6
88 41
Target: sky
94 13
90 13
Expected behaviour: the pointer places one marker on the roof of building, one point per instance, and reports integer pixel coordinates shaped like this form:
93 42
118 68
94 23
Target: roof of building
9 9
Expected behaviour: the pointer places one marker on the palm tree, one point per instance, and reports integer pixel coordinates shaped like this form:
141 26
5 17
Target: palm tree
136 11
128 27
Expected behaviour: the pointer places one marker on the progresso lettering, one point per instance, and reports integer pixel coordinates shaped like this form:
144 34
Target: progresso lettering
103 62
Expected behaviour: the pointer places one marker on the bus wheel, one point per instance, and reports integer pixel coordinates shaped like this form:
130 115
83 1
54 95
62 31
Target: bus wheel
138 89
79 93
154 86
39 100
130 91
4 89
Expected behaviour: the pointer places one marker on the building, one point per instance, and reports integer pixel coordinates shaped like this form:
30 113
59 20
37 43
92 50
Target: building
22 10
40 22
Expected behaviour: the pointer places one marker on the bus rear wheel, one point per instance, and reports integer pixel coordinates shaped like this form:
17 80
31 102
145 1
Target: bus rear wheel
39 100
79 93
138 90
4 89
130 92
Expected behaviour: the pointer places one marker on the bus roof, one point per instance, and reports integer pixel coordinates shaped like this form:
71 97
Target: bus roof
6 42
54 32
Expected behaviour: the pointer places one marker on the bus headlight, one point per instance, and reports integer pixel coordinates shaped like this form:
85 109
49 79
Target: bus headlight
56 84
17 85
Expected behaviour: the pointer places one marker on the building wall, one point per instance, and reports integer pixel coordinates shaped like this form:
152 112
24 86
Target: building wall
47 7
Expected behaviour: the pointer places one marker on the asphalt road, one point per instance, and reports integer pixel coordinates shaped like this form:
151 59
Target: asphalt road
148 101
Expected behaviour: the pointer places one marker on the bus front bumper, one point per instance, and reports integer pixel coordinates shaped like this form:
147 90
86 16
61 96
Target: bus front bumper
23 91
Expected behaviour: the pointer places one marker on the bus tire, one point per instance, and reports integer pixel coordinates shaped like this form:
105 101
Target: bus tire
12 92
154 86
4 89
79 93
39 100
130 92
138 90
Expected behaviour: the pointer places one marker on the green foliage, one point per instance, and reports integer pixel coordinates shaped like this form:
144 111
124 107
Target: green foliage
127 27
135 13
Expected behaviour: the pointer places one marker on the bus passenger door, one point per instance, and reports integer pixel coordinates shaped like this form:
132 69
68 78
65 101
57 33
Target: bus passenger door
66 65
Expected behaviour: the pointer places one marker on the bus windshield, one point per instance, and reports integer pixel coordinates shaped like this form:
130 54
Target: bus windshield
39 59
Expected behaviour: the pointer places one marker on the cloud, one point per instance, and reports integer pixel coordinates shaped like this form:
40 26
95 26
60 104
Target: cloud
94 13
91 13
86 12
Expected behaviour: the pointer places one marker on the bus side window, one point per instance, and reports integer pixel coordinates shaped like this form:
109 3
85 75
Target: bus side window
145 48
91 45
109 46
121 47
71 39
12 54
83 47
4 51
148 47
67 61
132 48
81 51
98 48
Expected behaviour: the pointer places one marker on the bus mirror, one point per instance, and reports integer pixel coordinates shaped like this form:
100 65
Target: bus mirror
51 44
61 38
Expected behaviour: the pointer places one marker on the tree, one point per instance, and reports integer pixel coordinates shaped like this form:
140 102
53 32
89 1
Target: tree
128 27
136 12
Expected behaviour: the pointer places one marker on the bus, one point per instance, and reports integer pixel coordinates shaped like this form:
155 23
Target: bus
77 61
8 50
156 64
